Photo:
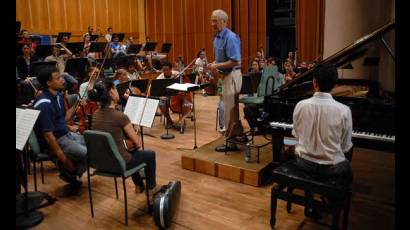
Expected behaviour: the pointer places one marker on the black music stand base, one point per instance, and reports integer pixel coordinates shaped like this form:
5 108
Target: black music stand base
167 136
29 220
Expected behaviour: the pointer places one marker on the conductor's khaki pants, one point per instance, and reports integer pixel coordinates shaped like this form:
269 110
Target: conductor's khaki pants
231 87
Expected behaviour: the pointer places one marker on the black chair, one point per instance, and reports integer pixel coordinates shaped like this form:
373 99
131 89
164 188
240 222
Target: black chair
37 156
335 192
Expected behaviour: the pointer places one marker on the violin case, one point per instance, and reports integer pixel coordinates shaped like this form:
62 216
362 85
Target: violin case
165 204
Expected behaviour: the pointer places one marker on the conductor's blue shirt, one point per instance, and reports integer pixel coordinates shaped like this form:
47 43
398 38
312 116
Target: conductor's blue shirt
227 46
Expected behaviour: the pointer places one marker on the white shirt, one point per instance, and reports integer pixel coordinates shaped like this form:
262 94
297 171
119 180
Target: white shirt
174 74
133 76
108 37
323 128
83 89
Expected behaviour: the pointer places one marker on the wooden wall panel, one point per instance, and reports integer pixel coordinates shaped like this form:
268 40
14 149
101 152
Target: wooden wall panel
52 16
184 23
262 24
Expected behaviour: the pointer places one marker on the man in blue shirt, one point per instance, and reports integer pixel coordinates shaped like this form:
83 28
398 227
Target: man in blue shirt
227 51
67 146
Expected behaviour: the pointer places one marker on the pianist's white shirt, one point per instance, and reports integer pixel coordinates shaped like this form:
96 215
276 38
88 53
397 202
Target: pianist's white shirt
323 128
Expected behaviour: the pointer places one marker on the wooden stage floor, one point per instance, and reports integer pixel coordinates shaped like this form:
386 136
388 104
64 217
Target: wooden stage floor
209 202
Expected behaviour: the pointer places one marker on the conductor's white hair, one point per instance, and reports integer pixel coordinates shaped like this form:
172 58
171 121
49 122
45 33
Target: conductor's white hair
220 14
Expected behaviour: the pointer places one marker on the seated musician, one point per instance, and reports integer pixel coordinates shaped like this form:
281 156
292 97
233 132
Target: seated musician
61 59
108 119
64 143
25 61
200 68
181 100
132 72
117 49
290 74
26 39
323 128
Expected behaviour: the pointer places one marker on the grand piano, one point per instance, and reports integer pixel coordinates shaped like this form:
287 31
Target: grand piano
373 110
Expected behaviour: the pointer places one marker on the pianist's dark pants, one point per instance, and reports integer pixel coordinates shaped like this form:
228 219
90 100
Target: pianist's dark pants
342 169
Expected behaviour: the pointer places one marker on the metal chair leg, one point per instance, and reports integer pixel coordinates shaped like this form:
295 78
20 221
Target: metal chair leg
125 201
146 190
116 187
35 175
42 172
89 191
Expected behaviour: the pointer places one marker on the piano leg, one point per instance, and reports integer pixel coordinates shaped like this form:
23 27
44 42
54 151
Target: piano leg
278 135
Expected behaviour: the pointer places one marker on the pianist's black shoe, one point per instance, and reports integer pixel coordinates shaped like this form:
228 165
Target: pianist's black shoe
312 213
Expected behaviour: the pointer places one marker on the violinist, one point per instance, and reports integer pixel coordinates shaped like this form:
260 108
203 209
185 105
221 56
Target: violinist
132 72
181 103
108 119
66 146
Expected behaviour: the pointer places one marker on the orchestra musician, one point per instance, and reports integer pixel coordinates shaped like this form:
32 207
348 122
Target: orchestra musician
181 103
109 119
64 143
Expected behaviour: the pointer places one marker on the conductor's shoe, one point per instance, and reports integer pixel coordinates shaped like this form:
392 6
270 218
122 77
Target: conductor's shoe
225 148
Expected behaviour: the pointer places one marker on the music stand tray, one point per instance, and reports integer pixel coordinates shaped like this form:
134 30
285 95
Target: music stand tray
43 51
246 85
94 37
150 46
61 35
77 67
75 47
166 47
97 47
37 66
119 35
140 84
134 48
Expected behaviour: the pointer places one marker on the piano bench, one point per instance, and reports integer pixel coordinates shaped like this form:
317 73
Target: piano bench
336 191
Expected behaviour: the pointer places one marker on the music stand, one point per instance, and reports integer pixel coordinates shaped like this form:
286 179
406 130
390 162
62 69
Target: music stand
255 80
61 35
75 47
97 46
158 89
134 48
122 88
37 66
246 85
77 67
140 84
347 66
119 35
43 51
166 47
150 46
94 37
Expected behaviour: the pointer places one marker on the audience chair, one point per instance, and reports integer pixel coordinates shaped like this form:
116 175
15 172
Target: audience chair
104 157
335 192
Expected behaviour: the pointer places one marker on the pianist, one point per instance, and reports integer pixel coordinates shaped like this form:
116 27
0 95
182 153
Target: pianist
323 128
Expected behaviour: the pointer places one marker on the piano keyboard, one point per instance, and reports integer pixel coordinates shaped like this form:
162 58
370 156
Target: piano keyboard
355 134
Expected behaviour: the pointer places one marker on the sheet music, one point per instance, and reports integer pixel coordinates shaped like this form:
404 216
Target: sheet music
134 107
182 87
25 120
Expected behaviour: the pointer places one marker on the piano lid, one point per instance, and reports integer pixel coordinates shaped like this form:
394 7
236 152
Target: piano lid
353 51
